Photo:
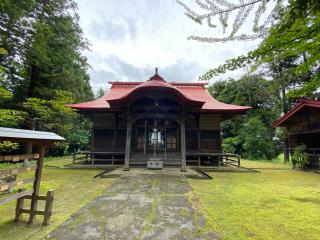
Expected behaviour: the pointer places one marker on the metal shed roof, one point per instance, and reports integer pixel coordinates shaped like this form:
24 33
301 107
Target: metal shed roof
28 135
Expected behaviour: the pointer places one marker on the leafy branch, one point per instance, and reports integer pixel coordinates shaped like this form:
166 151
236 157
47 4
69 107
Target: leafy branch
222 9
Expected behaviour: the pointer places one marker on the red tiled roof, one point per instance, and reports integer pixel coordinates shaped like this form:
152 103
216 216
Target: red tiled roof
303 103
190 93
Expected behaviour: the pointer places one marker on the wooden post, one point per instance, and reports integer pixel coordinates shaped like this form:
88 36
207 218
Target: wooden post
183 144
92 158
165 143
145 138
74 158
19 206
36 184
128 143
199 143
48 208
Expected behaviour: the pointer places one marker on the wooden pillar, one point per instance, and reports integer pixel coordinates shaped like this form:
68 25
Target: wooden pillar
36 184
199 142
128 142
92 139
165 143
113 140
183 144
145 138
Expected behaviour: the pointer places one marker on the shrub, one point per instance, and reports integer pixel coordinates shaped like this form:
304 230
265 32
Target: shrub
231 144
7 147
300 156
257 143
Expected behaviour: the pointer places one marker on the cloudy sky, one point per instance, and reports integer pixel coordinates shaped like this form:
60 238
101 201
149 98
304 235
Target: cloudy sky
130 38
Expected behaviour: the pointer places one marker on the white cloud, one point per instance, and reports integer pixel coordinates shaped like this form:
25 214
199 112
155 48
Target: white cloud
130 38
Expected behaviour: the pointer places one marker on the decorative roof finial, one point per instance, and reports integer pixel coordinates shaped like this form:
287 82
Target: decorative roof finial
156 76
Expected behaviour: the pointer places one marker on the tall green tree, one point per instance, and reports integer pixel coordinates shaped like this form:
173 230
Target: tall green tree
44 67
243 130
296 35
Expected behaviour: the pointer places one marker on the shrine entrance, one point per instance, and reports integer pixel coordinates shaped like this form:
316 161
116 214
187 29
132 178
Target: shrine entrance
155 130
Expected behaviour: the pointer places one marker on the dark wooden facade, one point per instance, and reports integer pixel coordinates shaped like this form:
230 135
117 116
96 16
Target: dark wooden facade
156 119
157 126
303 126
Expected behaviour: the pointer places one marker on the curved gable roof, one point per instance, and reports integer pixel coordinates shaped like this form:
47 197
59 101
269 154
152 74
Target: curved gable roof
156 84
194 94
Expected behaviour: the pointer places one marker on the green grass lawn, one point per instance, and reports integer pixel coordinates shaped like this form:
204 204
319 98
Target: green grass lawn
73 189
277 203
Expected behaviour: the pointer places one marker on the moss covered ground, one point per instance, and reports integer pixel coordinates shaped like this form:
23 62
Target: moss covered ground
274 203
73 189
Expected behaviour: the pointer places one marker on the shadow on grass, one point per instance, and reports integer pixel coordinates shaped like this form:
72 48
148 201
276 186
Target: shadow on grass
235 170
308 200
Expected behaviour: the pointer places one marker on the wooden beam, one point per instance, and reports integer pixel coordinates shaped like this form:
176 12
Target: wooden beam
15 196
9 185
16 170
36 184
183 144
128 142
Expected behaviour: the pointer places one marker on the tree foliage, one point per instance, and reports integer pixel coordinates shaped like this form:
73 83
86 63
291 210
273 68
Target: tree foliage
295 36
43 68
256 140
219 12
250 135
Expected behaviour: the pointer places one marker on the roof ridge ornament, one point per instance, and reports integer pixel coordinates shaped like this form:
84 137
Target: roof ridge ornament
156 76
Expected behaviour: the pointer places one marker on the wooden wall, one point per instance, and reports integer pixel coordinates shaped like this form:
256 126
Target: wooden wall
202 133
305 121
205 136
304 128
107 136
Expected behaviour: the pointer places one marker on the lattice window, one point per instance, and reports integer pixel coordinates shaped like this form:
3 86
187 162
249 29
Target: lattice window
171 141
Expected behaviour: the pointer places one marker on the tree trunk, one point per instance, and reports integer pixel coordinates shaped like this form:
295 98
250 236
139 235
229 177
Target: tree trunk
286 149
285 110
33 80
31 93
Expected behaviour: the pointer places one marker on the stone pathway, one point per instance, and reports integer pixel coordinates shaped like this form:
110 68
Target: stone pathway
138 205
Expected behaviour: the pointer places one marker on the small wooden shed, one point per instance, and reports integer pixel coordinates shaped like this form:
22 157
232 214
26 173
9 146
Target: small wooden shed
303 125
43 140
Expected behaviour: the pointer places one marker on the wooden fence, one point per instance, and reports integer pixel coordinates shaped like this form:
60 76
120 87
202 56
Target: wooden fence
115 157
17 158
93 157
223 158
8 193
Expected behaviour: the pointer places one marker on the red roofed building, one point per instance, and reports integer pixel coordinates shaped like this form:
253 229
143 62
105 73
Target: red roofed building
303 125
137 121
